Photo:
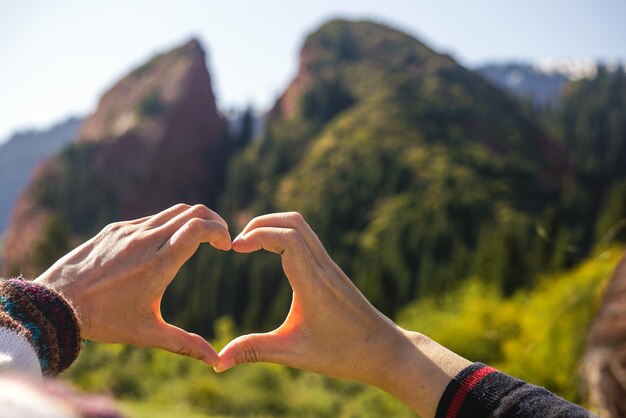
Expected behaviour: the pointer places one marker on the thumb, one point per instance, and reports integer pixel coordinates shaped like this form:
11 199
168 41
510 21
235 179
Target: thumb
253 348
179 341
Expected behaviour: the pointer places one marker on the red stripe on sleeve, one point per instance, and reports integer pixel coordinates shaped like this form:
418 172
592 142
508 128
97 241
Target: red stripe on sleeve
466 386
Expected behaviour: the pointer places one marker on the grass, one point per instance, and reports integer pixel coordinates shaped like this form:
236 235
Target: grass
135 409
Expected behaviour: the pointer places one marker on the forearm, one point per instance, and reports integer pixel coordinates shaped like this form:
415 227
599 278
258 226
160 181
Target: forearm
436 382
418 371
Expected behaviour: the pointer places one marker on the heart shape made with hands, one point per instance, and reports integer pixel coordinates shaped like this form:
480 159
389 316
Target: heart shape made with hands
117 279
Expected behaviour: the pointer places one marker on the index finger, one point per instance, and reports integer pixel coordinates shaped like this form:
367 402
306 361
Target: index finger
180 219
292 220
186 240
298 261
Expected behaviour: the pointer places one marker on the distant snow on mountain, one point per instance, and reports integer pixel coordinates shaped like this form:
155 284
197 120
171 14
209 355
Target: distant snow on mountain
541 82
573 69
527 82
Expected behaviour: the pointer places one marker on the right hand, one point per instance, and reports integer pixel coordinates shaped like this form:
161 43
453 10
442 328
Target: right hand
331 327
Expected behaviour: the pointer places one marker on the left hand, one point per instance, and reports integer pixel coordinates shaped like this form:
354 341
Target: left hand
116 280
331 327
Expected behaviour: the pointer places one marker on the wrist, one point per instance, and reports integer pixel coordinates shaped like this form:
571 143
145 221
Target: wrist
418 371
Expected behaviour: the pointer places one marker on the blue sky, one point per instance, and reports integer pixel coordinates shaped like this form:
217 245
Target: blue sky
58 57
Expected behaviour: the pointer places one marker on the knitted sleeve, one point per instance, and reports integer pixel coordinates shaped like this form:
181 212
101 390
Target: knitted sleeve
481 391
36 318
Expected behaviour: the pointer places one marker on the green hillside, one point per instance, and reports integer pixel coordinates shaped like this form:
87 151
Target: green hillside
592 125
415 172
537 335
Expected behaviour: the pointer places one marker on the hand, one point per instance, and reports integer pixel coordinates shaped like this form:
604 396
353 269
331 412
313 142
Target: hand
116 280
331 328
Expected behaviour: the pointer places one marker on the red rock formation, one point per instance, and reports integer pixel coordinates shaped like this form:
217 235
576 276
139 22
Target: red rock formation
164 128
154 140
288 103
604 365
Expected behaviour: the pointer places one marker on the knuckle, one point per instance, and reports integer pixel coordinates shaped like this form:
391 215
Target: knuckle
200 211
111 228
179 207
251 354
296 219
296 216
194 226
185 351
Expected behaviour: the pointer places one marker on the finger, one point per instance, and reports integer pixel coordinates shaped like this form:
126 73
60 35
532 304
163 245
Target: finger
254 348
295 221
196 211
186 240
176 340
275 240
298 262
164 216
292 220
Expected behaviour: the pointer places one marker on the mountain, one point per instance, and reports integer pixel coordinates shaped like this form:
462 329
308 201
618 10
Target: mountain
246 125
527 82
592 123
414 171
22 153
155 139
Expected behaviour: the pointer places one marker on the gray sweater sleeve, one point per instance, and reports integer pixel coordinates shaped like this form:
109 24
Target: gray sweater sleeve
481 391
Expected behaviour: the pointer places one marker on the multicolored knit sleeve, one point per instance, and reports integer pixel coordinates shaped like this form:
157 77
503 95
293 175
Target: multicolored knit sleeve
482 391
36 314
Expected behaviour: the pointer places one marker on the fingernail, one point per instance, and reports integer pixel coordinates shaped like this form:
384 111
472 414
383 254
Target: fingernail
224 365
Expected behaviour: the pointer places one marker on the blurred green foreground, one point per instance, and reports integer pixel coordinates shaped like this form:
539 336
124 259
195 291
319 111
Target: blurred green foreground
535 335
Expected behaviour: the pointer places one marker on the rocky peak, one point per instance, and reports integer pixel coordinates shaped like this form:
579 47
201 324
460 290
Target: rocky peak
155 139
360 45
144 100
